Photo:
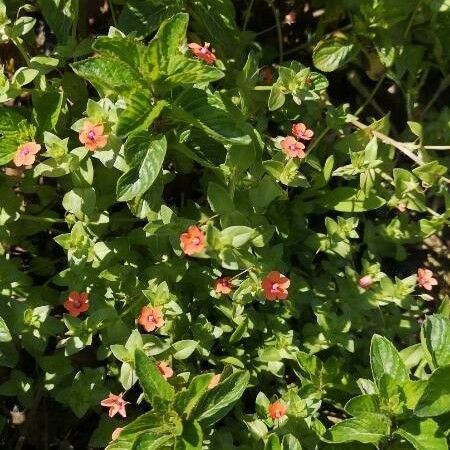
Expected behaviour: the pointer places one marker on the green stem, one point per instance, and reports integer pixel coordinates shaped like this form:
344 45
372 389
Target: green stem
370 98
316 141
113 13
41 219
247 15
276 15
22 50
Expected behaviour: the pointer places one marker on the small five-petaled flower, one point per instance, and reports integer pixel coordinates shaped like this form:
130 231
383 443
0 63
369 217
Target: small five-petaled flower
92 137
223 285
300 131
192 240
203 52
116 405
275 286
26 154
277 410
425 279
77 303
292 148
151 318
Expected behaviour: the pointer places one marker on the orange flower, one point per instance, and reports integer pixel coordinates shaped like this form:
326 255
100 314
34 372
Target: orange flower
290 18
365 281
151 318
116 404
223 285
92 136
192 240
275 286
116 433
203 52
292 148
300 131
425 279
277 410
165 370
215 380
26 154
77 303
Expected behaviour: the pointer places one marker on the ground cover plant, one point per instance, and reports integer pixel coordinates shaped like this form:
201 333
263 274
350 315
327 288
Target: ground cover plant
222 224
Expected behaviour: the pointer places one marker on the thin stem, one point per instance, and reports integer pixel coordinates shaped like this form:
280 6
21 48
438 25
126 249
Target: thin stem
318 139
437 147
241 273
262 88
356 83
247 15
445 82
370 98
41 219
113 13
259 33
398 145
276 15
22 50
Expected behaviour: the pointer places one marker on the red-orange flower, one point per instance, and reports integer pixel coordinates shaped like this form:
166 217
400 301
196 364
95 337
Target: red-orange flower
365 281
292 148
425 279
116 404
277 410
192 240
165 370
203 52
151 318
275 286
77 303
223 285
290 18
215 380
92 136
300 131
26 154
116 433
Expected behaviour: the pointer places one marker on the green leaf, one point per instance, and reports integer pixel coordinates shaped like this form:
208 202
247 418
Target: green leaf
169 38
59 16
149 441
187 400
183 349
144 16
430 172
436 398
183 70
367 428
107 75
153 383
139 114
436 338
423 434
148 157
191 438
290 442
332 53
362 404
220 400
208 112
5 335
273 442
237 235
385 359
276 97
347 199
219 199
